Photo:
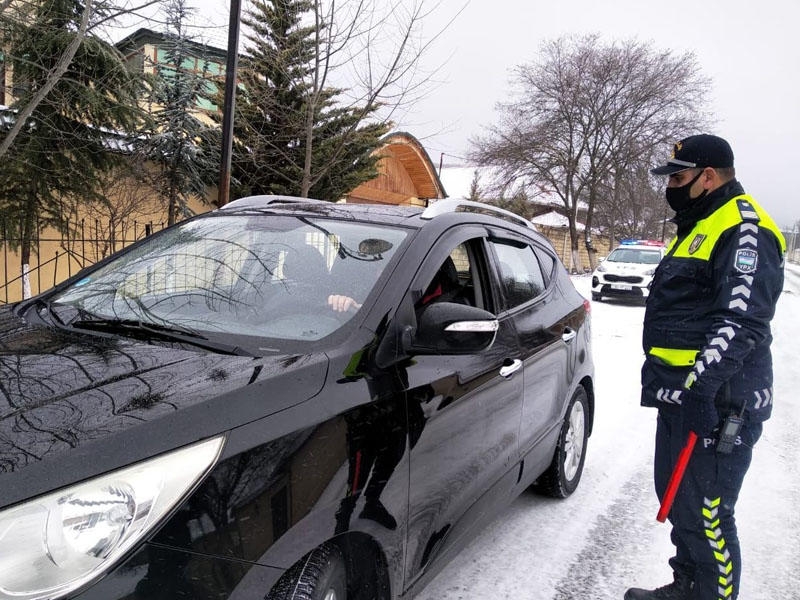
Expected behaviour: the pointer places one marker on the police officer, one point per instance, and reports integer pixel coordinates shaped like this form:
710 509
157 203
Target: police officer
708 367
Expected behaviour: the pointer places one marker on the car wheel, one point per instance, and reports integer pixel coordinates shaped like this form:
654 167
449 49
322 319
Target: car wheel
320 575
563 475
597 297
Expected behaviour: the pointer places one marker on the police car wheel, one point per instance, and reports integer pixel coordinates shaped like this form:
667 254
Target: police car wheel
564 473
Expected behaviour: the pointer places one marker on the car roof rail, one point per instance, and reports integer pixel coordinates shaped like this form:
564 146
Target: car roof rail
451 205
266 199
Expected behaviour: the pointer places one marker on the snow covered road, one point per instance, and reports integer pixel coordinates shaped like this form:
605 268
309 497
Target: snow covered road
605 538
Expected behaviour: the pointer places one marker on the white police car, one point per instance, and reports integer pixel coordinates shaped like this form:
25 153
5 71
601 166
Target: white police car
628 270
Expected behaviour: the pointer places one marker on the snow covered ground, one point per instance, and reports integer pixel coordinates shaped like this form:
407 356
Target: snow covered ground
605 537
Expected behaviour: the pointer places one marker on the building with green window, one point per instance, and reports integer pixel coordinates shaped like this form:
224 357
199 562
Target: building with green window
148 52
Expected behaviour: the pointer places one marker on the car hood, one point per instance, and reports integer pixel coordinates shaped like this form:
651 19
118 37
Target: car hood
73 405
624 267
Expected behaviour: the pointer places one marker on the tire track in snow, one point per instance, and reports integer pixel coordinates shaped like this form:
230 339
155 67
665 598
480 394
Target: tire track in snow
619 536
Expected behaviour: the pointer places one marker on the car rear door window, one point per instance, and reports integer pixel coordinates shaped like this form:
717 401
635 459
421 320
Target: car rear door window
547 263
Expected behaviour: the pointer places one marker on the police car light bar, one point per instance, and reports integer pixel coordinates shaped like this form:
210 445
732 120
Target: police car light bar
634 242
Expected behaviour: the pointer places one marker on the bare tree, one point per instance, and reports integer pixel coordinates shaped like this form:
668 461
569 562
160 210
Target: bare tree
54 75
94 14
65 144
629 207
125 197
586 114
381 45
334 74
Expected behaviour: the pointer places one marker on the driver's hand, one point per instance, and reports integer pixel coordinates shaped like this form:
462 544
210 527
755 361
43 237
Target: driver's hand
341 303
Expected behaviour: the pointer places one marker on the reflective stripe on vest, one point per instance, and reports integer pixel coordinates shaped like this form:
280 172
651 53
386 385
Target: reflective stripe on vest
701 240
674 357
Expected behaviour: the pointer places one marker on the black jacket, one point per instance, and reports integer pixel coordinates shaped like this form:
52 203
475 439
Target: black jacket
706 325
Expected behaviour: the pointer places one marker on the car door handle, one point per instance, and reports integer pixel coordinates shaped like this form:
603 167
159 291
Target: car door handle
569 334
509 370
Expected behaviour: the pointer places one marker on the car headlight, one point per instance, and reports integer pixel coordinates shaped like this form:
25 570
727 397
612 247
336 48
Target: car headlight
54 544
601 268
650 272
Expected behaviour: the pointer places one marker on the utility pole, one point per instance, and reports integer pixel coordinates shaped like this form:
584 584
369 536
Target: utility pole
224 185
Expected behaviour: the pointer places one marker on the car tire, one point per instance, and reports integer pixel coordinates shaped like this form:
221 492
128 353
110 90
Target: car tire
564 473
320 575
597 297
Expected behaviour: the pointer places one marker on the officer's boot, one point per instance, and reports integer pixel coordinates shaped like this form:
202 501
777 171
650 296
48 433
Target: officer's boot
677 590
343 514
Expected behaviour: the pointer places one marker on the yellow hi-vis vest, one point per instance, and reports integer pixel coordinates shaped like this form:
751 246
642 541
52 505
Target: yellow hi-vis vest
701 240
700 243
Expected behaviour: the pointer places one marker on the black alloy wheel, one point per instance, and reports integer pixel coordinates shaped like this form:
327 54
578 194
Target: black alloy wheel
564 473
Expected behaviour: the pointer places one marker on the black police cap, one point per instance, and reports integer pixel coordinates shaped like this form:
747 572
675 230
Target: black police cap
695 152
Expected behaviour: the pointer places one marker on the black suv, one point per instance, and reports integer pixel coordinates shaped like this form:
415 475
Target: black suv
287 398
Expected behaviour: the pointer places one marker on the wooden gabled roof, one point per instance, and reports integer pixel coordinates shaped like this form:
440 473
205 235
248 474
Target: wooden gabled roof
406 174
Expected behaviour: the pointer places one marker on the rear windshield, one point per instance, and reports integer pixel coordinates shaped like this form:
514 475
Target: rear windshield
635 255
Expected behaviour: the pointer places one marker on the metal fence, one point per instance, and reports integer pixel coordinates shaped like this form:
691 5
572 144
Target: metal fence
56 256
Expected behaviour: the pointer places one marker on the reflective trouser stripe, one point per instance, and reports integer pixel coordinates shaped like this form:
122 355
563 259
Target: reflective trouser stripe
675 357
717 542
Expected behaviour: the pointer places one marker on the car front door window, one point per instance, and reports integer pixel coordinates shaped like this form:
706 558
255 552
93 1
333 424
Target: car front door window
520 273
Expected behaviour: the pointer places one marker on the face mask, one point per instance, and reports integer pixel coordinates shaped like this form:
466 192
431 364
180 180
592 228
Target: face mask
679 199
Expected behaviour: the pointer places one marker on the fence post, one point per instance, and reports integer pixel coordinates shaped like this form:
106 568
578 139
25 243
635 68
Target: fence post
69 252
38 271
5 257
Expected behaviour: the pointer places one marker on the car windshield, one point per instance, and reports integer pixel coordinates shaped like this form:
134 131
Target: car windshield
252 275
635 255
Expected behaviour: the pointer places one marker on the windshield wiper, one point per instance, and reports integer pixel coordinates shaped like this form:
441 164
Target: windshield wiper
138 328
55 313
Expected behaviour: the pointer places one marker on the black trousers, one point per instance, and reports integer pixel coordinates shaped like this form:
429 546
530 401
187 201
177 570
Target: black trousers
702 515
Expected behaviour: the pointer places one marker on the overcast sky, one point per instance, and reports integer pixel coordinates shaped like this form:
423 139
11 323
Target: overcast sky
748 49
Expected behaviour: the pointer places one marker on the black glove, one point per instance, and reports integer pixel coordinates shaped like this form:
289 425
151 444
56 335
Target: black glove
698 413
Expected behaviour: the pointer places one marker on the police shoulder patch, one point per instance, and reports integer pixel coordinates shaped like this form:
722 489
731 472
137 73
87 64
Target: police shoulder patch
696 242
746 260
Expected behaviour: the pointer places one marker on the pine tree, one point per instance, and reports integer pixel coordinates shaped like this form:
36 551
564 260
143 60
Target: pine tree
69 140
475 187
185 148
291 134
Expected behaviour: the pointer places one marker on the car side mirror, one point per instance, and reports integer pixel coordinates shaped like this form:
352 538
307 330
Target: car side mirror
450 328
